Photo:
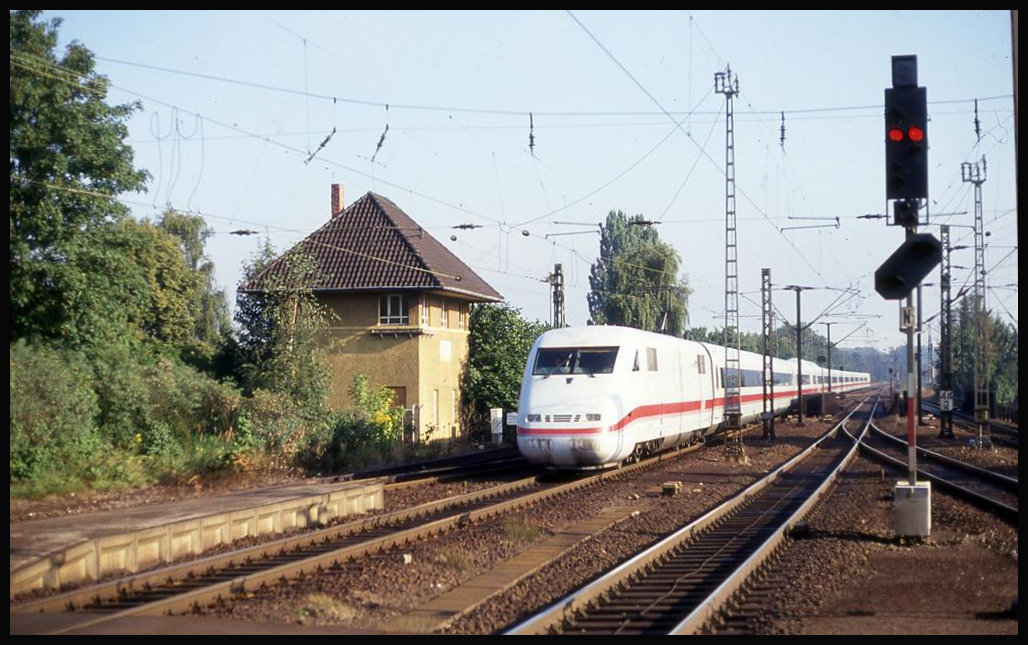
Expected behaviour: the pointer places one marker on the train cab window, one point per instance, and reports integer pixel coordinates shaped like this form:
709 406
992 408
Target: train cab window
575 360
596 360
651 359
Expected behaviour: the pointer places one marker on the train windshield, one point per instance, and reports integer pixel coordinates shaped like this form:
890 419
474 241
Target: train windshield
574 360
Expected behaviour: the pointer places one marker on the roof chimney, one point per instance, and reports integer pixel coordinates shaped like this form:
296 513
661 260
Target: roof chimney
337 200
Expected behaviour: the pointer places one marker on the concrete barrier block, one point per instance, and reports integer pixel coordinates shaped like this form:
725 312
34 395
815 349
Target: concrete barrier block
184 539
151 547
115 553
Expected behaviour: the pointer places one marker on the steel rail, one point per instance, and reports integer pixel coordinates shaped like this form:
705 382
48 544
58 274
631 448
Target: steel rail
999 478
546 621
1009 513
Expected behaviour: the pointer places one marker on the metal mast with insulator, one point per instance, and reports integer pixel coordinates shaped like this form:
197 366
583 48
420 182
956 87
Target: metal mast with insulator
732 376
945 342
975 173
767 318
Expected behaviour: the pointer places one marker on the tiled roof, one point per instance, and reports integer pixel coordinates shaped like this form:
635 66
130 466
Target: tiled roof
373 245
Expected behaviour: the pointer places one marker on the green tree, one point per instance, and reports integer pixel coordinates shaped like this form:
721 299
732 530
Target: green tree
282 333
254 315
1001 353
211 325
1003 342
635 280
123 282
499 342
68 160
618 233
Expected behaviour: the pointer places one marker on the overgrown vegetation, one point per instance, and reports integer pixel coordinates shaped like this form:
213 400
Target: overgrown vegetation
369 433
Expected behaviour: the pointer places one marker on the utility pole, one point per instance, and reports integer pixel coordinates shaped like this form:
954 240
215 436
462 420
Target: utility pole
828 358
828 326
767 318
975 174
917 360
945 342
732 380
799 350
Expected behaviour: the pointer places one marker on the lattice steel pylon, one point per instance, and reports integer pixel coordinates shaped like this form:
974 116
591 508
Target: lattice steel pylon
975 173
767 319
732 376
945 342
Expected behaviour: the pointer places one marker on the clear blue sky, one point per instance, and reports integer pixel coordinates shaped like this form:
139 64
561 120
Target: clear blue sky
235 103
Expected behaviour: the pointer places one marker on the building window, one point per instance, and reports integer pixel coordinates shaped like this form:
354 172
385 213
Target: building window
461 313
424 311
444 317
394 309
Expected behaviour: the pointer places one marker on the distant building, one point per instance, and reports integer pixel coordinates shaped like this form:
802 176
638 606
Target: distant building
401 304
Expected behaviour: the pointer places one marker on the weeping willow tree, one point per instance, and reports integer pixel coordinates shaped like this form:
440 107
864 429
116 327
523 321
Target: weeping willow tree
635 280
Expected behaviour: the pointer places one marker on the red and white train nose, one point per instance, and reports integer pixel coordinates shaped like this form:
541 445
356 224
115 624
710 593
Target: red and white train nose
567 439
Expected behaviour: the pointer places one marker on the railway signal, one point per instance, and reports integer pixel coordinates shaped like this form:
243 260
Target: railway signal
906 186
906 135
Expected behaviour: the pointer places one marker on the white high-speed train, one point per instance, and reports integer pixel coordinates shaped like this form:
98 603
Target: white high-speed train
594 396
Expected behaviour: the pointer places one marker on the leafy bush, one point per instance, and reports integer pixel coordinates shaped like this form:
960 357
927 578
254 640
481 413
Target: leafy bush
366 434
189 401
158 440
122 394
275 423
53 411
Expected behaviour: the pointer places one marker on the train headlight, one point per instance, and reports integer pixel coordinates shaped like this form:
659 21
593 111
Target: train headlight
533 418
593 416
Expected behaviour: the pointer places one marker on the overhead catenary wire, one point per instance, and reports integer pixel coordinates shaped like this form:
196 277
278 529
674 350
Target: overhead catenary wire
512 111
335 247
550 125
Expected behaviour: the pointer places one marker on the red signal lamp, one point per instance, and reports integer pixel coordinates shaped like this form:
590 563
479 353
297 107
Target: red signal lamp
895 134
916 134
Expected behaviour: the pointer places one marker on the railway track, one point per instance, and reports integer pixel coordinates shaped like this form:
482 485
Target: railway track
190 586
675 586
999 432
984 488
468 465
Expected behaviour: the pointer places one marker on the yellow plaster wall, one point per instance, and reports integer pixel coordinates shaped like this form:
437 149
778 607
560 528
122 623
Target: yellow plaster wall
413 357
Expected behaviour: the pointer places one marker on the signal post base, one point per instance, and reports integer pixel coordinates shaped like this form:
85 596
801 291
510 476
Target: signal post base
912 509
